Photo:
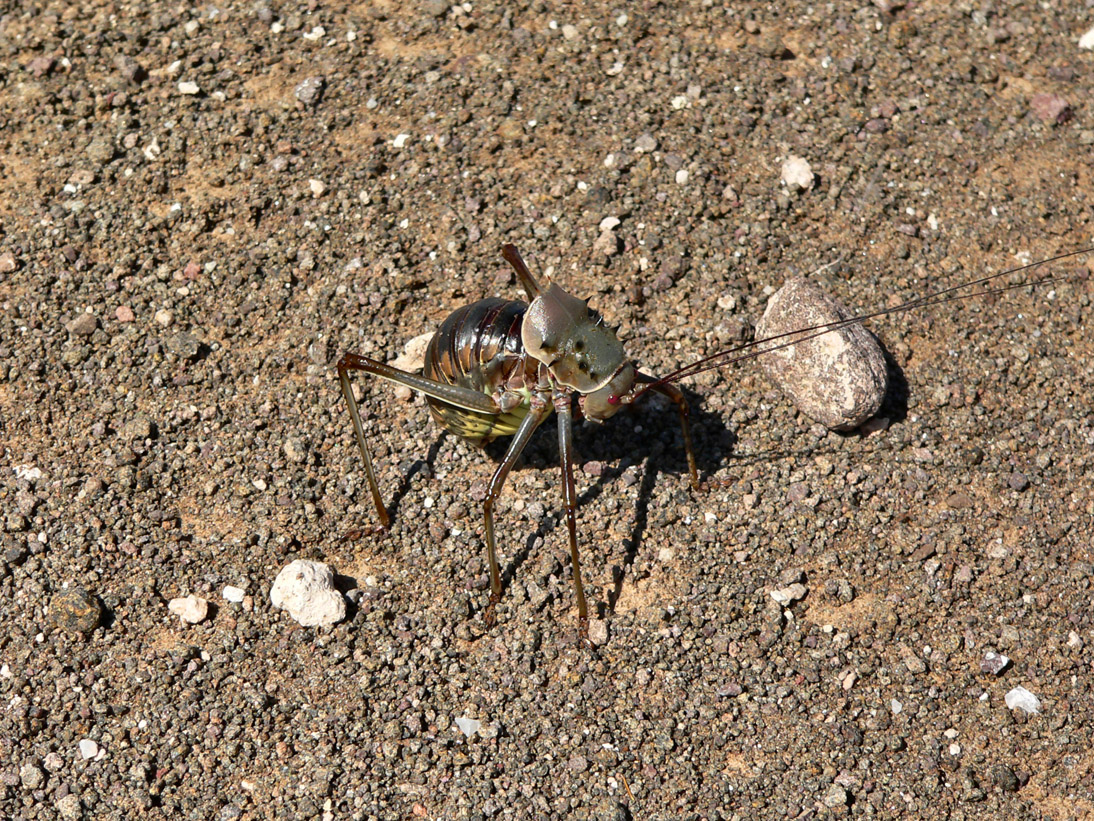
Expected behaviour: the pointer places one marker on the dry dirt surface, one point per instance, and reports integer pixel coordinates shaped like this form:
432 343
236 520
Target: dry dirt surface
204 206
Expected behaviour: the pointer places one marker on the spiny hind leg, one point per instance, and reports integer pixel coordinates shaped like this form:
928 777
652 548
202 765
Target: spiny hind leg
452 394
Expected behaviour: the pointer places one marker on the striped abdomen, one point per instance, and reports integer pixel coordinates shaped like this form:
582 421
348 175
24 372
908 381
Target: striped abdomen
479 347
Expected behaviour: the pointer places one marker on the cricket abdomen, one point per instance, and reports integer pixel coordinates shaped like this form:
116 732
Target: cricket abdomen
479 347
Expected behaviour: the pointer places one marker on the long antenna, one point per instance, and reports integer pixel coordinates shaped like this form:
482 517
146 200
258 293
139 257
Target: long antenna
749 350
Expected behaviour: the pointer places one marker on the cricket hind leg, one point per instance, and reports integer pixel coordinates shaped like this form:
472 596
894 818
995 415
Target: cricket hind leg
452 394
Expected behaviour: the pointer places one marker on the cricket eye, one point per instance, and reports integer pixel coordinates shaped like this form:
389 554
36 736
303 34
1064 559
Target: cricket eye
613 399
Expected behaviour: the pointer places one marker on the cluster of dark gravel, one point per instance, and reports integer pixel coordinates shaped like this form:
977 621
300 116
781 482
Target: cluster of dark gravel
203 207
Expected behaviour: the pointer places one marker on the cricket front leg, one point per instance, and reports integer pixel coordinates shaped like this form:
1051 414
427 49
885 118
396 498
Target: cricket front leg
674 394
539 411
562 403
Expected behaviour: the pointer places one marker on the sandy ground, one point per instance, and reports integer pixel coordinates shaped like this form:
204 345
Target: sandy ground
203 207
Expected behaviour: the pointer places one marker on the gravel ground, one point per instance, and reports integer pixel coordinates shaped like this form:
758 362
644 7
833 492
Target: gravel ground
204 207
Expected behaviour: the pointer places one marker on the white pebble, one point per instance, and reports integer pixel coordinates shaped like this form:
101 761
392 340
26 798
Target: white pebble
88 749
895 706
680 101
317 187
955 749
234 594
306 590
608 223
796 171
682 176
191 609
1021 698
598 632
789 594
400 140
468 726
187 87
164 317
1087 40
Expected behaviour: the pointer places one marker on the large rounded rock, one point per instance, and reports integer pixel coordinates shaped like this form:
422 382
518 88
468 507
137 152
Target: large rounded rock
839 377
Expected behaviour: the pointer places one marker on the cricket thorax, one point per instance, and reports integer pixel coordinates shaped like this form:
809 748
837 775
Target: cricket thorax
561 332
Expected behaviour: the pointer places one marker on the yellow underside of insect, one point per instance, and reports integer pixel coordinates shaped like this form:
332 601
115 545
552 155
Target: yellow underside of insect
480 428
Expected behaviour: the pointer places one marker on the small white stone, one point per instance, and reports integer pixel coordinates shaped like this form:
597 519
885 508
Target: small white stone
1023 699
796 171
569 31
598 632
400 140
317 187
955 749
163 317
680 101
1087 40
682 176
191 609
306 590
187 87
895 706
468 726
234 594
88 749
608 223
790 593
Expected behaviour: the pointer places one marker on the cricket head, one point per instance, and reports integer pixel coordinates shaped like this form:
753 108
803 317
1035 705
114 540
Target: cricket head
579 350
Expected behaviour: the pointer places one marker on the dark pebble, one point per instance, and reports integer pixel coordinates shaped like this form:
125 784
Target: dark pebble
75 610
